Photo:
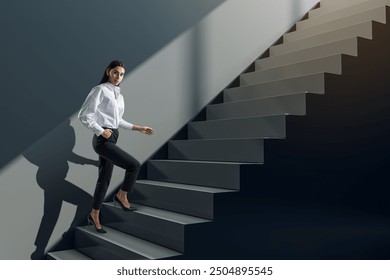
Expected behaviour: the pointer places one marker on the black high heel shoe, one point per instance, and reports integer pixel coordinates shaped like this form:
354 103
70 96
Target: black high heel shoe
90 221
116 200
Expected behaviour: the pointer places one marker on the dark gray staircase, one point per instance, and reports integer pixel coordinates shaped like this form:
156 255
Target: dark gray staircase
260 127
240 150
291 104
71 254
328 64
203 173
180 198
118 245
346 46
256 141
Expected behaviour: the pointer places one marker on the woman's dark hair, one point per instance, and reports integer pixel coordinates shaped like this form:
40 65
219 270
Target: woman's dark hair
112 64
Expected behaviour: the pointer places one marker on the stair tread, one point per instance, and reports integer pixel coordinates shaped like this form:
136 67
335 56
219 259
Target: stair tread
186 186
71 254
277 81
247 118
140 246
271 126
339 5
278 96
216 140
301 62
203 161
166 215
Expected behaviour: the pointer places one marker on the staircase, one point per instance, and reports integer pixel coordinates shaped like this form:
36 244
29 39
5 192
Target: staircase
331 69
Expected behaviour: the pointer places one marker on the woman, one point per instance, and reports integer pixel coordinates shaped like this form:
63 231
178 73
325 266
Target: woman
102 112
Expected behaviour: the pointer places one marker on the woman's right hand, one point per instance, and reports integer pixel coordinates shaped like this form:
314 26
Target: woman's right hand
107 133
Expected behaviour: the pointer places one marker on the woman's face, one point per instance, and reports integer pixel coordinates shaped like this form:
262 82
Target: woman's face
115 75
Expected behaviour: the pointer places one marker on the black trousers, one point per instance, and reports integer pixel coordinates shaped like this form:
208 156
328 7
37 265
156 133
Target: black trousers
109 155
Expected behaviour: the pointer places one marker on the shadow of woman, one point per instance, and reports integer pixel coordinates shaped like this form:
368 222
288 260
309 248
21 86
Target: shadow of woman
51 154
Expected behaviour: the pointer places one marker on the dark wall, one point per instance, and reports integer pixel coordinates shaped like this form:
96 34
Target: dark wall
52 52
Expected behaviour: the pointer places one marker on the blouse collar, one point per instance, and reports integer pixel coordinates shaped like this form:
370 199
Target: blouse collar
114 88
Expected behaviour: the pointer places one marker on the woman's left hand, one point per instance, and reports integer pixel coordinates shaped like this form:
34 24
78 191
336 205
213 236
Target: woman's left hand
147 130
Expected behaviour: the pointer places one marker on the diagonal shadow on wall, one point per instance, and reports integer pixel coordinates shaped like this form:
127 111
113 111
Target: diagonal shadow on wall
52 52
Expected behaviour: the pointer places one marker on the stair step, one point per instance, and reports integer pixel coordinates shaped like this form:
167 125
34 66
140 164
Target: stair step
327 3
168 216
377 14
347 46
339 5
254 127
204 173
239 150
144 222
341 13
330 64
363 30
292 104
116 245
177 197
314 83
67 255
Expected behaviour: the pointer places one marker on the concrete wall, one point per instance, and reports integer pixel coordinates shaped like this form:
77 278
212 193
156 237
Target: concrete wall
178 56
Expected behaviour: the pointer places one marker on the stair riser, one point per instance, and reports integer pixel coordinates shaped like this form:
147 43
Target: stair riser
100 249
175 199
311 84
330 64
352 10
196 173
289 104
269 127
217 150
378 14
169 234
348 46
363 30
330 7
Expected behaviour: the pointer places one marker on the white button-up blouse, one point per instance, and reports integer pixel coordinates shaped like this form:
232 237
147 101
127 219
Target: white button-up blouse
104 107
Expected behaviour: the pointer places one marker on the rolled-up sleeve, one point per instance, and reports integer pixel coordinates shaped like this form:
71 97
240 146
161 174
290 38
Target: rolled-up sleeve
87 113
